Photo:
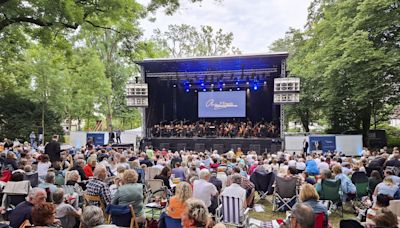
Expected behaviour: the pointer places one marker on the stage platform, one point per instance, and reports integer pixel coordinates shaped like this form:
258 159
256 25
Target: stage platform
260 145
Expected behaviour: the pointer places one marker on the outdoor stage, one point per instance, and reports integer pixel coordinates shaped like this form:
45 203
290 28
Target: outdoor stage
260 145
210 91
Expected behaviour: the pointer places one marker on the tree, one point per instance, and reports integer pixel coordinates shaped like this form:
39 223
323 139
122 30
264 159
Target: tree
186 41
351 52
19 116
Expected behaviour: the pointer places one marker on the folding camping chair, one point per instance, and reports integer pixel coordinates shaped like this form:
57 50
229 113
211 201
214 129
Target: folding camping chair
231 212
33 179
286 192
263 183
151 172
360 180
94 200
330 191
15 193
122 216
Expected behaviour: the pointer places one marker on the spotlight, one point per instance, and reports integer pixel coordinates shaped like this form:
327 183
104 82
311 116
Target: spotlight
255 87
220 89
204 90
237 88
237 83
212 84
174 86
195 90
223 84
187 90
230 89
265 82
248 90
190 85
247 83
202 84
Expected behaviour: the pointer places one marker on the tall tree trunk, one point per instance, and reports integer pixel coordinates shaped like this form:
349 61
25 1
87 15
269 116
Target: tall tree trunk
366 124
109 115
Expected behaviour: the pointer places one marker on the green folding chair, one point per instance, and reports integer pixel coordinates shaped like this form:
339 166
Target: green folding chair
330 191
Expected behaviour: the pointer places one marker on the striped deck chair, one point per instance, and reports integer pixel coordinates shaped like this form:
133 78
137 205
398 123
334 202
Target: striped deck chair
231 212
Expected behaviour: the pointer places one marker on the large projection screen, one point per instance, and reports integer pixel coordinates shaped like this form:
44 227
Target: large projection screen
222 104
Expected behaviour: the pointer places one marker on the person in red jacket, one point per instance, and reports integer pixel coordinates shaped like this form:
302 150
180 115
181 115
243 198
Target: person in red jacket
91 164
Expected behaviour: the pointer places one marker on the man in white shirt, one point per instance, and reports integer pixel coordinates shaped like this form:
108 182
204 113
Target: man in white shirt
235 190
204 190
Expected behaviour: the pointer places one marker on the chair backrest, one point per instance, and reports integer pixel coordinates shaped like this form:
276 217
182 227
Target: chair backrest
151 172
88 199
172 223
122 216
155 184
17 187
359 177
319 220
330 190
394 206
231 209
345 223
33 178
286 187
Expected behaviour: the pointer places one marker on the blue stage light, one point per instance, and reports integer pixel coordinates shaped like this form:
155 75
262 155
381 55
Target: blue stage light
247 83
220 89
255 87
204 90
174 85
187 90
202 84
265 82
237 88
237 83
223 84
212 84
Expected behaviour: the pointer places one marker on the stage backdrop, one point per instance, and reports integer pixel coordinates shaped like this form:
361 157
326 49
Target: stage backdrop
222 104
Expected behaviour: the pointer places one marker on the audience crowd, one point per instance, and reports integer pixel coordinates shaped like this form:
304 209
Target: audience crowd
80 186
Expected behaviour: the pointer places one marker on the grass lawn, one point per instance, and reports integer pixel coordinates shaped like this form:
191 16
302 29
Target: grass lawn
334 218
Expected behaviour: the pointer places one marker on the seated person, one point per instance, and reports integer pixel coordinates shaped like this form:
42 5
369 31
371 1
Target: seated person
93 216
308 195
348 188
49 182
24 210
131 193
386 219
302 216
177 203
235 190
43 215
164 176
387 187
246 184
382 201
195 215
66 213
178 171
97 186
204 190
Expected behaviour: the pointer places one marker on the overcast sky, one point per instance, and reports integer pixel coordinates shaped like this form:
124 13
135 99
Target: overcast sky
255 24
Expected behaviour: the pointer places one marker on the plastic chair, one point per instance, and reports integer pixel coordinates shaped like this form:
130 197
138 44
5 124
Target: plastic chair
230 212
330 191
320 221
286 192
122 216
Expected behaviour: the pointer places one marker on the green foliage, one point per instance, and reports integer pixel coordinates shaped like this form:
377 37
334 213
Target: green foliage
19 116
350 54
186 41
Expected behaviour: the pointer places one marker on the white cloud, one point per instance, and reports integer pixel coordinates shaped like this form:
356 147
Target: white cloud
254 23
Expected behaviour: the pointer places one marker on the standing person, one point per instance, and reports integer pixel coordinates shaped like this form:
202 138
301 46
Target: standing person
111 137
305 146
118 134
53 149
32 138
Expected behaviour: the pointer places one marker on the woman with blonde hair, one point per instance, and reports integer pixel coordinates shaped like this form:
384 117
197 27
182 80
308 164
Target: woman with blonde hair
308 195
387 187
195 215
177 203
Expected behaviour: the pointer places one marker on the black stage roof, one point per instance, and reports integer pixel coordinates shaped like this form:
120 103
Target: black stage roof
214 63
